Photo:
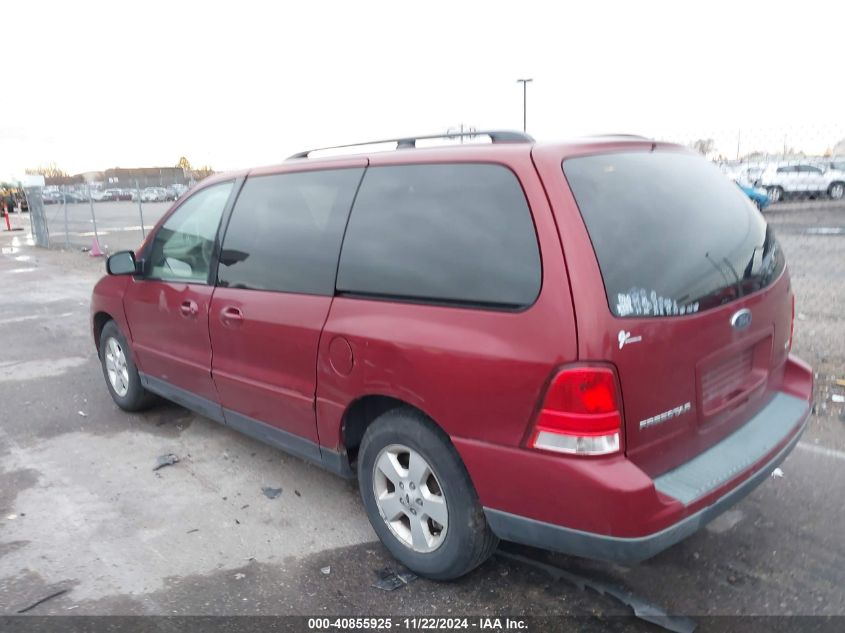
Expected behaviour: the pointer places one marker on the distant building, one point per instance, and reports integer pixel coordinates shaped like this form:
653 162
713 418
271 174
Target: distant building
144 177
63 180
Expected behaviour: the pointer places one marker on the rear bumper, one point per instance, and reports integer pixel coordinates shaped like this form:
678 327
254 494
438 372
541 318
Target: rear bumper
549 536
608 508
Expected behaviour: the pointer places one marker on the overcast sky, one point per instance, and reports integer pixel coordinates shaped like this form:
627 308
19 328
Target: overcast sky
92 85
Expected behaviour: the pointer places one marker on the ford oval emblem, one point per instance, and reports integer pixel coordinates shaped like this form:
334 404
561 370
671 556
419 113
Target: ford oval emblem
741 319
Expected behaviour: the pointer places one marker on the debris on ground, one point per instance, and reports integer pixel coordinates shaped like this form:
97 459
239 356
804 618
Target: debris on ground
192 531
12 517
271 493
777 473
326 570
166 460
82 414
245 506
389 579
642 609
43 600
837 398
840 382
240 576
296 492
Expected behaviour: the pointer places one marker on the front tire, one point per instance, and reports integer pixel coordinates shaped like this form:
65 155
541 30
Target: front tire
419 497
120 372
836 190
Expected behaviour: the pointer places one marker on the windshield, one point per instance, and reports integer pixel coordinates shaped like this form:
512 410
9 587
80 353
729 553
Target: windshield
672 235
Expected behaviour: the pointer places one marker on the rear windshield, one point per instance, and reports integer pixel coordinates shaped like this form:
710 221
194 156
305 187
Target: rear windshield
672 235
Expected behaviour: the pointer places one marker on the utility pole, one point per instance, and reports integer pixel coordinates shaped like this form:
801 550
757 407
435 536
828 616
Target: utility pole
524 83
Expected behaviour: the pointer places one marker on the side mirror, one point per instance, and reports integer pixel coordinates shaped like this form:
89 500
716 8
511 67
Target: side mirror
122 263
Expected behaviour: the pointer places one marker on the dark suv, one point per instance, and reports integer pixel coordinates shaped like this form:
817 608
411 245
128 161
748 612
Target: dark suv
580 346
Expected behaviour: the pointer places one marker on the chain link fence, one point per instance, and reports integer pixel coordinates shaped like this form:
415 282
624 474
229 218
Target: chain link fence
772 166
94 217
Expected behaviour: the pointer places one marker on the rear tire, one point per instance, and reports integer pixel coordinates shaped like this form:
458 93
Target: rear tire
120 372
775 194
396 448
836 190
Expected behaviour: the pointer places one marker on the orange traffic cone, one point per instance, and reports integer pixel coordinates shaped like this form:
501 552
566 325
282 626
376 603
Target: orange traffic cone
95 249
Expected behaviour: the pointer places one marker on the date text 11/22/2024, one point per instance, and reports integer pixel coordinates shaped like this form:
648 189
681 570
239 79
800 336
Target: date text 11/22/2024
418 624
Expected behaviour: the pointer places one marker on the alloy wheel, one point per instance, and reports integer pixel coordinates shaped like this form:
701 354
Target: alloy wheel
409 498
116 368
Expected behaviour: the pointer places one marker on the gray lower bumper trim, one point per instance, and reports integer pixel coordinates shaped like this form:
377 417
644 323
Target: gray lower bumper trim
735 453
511 527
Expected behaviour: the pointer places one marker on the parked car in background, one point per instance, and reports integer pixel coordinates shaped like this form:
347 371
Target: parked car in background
51 196
745 176
175 191
836 164
154 194
116 194
758 195
802 178
475 333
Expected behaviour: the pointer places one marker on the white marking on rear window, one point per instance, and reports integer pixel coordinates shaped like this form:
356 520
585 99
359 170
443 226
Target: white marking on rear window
643 302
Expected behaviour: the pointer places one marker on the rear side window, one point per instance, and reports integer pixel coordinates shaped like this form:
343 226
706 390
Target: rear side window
455 233
285 231
672 235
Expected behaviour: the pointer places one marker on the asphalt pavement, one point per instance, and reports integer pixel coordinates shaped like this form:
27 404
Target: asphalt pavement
82 510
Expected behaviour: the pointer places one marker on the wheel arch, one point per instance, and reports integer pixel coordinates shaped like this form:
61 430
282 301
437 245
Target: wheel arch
98 323
363 411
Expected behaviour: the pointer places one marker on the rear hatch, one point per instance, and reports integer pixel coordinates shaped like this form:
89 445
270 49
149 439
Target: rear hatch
699 303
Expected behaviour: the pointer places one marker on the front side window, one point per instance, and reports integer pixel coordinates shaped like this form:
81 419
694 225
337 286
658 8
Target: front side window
442 233
182 248
285 231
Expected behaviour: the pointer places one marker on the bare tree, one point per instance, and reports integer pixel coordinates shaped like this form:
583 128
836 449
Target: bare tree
202 172
49 171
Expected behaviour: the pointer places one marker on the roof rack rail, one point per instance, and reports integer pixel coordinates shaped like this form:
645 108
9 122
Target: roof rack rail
410 142
645 138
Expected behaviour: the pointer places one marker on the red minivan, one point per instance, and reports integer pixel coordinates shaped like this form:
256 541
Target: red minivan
580 346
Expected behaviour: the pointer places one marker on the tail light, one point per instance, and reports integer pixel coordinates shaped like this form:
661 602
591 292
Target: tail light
581 413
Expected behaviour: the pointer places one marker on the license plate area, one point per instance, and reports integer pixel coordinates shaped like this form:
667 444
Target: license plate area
733 375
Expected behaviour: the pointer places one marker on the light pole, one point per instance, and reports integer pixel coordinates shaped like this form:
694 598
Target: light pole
524 83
